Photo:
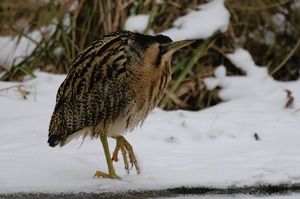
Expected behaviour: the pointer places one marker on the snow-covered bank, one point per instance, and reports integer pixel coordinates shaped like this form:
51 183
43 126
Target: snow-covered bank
251 139
246 141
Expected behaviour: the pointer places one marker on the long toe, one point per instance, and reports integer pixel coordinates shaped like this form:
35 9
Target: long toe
120 146
125 147
100 174
132 157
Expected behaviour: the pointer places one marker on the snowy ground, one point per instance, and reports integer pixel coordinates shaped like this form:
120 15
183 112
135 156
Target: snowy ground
250 139
215 147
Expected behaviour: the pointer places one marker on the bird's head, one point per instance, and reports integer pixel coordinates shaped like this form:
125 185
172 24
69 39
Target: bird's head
158 50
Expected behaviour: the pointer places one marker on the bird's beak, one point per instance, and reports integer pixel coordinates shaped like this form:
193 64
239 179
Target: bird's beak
174 46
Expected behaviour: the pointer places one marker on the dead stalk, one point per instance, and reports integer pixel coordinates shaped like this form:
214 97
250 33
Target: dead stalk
23 93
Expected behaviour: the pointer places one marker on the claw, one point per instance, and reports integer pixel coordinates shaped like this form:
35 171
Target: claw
125 147
100 174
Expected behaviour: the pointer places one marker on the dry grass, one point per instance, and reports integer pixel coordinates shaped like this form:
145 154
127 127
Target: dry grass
252 27
257 25
19 89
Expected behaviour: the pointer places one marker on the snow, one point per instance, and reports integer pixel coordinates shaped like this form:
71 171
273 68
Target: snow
14 49
250 139
214 147
12 53
137 23
197 24
201 23
261 83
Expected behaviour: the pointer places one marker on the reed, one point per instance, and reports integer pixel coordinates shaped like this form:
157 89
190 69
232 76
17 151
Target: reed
75 24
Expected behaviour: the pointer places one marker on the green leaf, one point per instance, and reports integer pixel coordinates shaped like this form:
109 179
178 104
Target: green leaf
26 70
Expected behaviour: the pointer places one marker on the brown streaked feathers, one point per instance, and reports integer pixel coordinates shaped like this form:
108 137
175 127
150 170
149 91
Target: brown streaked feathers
110 89
111 86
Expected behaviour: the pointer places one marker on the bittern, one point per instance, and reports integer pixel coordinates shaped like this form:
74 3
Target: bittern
110 89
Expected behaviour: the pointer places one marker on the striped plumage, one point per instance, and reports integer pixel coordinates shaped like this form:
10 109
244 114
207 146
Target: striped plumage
112 86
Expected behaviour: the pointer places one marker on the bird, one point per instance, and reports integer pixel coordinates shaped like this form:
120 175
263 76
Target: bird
110 89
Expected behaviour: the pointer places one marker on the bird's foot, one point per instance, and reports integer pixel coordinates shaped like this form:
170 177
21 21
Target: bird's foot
125 147
100 174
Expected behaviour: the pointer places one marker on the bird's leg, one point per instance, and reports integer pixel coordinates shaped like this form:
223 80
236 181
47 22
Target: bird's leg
125 147
111 169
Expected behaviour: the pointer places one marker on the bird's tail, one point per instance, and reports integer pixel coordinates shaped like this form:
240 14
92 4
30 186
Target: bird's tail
54 140
55 135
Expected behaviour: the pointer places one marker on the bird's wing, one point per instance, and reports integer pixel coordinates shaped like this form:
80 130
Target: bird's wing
94 90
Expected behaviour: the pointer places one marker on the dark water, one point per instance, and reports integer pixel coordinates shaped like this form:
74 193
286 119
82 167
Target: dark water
261 192
152 196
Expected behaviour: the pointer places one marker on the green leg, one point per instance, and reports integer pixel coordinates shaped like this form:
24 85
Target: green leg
111 169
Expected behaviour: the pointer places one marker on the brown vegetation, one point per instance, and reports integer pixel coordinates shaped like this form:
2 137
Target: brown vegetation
268 29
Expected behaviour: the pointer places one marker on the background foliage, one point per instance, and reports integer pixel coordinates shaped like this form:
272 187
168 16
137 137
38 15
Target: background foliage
268 29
